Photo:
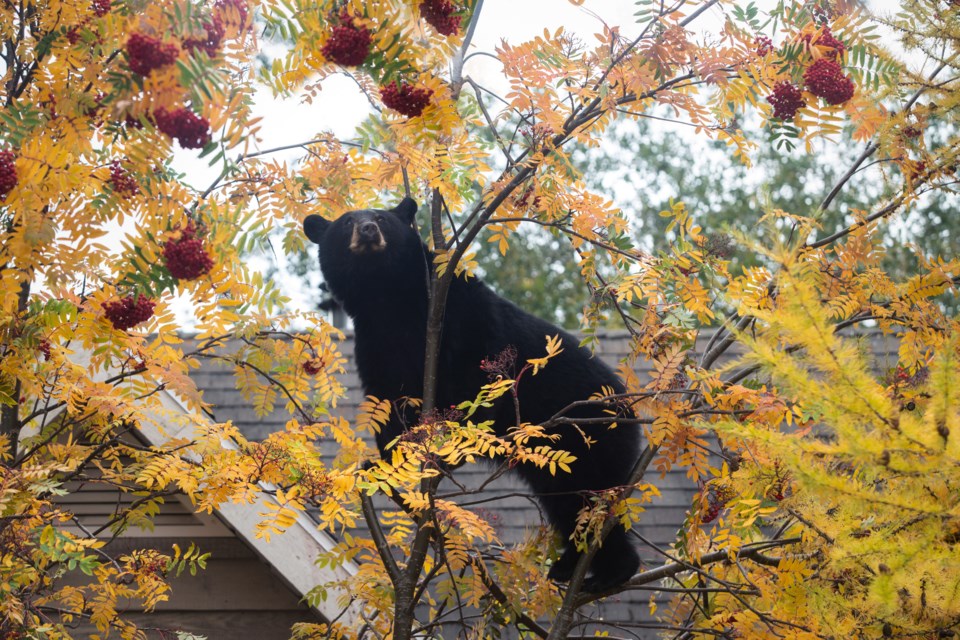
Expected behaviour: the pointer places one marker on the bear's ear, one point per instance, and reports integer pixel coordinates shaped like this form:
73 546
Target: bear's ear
407 210
315 227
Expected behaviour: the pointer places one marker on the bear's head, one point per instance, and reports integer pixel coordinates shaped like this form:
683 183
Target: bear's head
363 252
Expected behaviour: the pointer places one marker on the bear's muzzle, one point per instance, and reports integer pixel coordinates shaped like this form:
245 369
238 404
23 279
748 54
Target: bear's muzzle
367 238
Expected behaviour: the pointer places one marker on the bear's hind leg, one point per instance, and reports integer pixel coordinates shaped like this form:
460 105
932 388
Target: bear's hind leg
562 569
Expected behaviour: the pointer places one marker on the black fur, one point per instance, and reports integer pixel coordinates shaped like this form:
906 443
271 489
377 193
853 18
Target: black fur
382 285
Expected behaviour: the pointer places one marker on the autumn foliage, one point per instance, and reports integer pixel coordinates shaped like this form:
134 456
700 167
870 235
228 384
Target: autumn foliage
827 482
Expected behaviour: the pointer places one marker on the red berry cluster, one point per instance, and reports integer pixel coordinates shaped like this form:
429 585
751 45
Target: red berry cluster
713 510
825 78
122 182
146 53
210 41
762 45
8 172
186 259
912 132
835 48
189 129
312 367
129 311
678 381
102 7
441 15
405 98
716 502
524 199
786 99
44 348
824 12
348 44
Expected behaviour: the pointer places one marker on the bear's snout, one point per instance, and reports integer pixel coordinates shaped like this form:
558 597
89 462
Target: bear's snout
368 231
367 237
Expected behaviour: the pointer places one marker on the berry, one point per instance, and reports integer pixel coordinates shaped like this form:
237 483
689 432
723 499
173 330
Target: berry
912 132
186 259
405 98
231 12
786 99
713 510
92 107
825 78
763 45
129 311
440 15
348 44
189 129
210 41
8 172
145 53
312 367
122 182
835 48
44 348
101 7
678 381
824 13
132 122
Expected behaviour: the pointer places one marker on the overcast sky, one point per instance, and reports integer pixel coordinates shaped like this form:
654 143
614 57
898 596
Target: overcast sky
340 107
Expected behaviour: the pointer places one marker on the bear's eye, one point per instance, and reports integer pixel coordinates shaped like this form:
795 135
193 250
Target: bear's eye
379 219
349 222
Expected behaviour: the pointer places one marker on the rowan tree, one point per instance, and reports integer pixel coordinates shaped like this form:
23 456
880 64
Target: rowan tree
829 507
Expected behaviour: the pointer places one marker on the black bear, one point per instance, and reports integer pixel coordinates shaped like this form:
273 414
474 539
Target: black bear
375 265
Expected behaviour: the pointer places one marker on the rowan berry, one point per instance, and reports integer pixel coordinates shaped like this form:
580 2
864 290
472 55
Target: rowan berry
349 43
8 172
786 99
122 183
441 15
186 258
146 53
825 78
762 46
189 129
129 311
406 99
835 48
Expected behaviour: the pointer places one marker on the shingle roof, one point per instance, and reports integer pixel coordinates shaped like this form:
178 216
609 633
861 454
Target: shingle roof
509 510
